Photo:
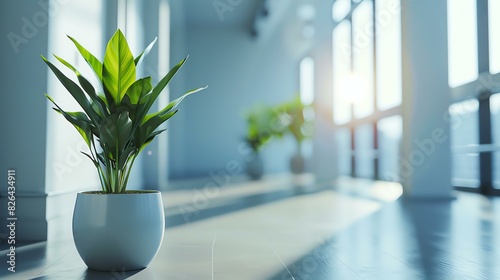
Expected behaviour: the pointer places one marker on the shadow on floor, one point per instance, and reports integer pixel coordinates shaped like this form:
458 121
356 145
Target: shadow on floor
409 240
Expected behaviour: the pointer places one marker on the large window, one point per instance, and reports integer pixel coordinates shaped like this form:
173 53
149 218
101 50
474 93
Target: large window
474 63
464 119
364 151
462 42
362 48
66 166
342 72
390 131
344 156
367 90
389 86
494 35
307 80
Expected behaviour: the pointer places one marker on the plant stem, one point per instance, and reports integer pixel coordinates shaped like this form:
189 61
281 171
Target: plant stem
128 168
95 157
109 187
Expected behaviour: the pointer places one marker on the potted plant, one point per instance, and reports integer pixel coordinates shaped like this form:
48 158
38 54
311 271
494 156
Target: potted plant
258 135
116 229
300 127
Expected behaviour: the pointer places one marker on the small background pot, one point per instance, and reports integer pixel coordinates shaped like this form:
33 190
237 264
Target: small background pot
255 166
297 164
118 232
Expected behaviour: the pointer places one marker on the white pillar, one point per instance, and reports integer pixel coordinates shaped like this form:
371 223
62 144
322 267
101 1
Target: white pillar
425 156
324 163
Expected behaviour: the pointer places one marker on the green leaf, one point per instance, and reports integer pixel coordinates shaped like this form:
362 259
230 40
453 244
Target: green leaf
118 68
90 157
75 91
172 105
96 102
87 86
83 129
78 119
159 88
150 139
100 157
115 132
138 60
103 99
152 121
153 135
124 155
151 124
135 92
92 61
67 64
138 89
145 130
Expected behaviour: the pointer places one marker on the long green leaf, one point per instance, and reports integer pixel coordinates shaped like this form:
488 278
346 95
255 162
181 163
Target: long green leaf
149 126
92 61
153 135
87 86
159 88
67 64
125 154
138 89
150 139
146 130
118 71
115 132
96 101
138 60
75 91
172 105
78 119
152 121
90 157
130 100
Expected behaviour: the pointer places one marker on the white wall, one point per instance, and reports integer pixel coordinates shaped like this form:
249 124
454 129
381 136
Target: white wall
24 80
240 71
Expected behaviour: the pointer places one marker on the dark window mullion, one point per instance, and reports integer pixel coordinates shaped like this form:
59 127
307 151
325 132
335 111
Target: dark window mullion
485 158
482 37
376 152
353 151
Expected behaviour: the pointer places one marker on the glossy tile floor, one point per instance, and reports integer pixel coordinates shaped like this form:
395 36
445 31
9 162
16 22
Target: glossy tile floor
285 228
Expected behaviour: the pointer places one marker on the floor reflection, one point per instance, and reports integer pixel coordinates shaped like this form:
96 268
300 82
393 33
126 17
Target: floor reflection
193 212
449 239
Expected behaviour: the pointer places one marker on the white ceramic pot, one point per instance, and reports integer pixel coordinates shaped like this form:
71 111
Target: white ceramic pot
118 232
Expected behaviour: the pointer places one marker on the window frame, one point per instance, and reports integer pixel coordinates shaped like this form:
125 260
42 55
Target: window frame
376 114
481 89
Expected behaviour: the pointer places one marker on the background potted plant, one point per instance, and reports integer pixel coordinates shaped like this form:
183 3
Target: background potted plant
116 229
258 135
301 127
